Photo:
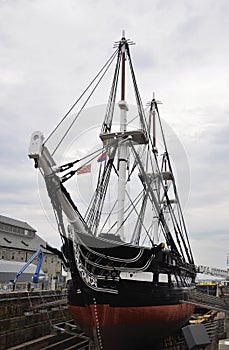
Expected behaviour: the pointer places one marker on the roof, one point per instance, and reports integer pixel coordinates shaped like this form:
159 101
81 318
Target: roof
15 266
18 223
9 269
14 241
29 241
201 277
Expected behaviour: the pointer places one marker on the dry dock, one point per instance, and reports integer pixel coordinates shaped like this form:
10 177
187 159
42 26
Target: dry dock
40 320
34 320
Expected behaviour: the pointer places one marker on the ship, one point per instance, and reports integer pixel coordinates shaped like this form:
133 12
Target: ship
127 247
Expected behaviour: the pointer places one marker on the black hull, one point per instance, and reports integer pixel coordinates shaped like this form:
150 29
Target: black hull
124 313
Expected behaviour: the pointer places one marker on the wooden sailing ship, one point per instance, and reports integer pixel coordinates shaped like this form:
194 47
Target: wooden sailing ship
130 259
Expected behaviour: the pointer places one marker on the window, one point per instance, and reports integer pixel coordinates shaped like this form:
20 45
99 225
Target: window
16 229
25 243
7 240
163 277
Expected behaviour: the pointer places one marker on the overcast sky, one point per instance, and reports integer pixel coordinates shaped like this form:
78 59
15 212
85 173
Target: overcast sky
50 49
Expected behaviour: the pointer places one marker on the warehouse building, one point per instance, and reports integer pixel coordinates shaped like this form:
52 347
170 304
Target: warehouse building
19 241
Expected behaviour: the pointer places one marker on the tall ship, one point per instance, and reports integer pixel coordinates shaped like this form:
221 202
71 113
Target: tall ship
115 200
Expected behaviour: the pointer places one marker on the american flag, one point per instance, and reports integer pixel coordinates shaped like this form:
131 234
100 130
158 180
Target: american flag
84 169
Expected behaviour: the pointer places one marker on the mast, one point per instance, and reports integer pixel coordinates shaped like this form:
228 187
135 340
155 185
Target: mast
155 181
153 109
122 159
154 121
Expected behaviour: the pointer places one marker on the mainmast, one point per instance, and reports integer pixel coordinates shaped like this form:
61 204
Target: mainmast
122 158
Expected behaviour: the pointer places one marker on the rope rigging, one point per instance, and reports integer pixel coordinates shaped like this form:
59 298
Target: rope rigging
179 228
94 214
102 72
144 159
106 127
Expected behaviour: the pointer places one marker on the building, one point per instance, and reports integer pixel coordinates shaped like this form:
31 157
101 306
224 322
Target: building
19 241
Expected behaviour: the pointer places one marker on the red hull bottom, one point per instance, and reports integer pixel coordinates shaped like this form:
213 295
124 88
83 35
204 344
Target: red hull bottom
134 328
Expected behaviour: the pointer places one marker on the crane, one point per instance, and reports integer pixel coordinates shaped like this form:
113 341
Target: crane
40 256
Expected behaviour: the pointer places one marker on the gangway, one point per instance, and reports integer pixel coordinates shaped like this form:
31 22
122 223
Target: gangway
212 271
208 301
